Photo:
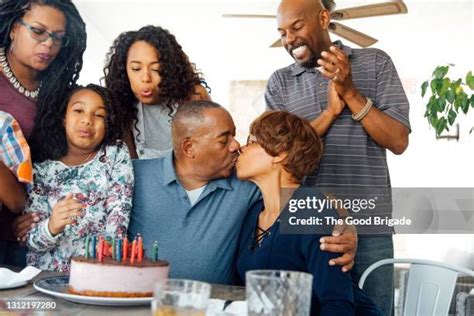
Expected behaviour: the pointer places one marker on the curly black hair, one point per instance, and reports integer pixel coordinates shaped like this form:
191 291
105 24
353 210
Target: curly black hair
178 75
61 75
56 146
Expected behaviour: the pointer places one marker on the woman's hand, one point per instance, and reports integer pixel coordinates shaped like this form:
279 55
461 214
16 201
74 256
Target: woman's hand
22 224
343 240
64 213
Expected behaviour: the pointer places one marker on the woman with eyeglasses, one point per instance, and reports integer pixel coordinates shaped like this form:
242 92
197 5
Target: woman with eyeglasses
41 48
281 150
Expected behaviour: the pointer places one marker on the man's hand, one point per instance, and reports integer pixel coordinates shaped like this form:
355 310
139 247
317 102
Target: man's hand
64 213
22 225
335 103
343 240
337 68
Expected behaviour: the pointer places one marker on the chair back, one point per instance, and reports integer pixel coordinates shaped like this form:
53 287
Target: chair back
430 285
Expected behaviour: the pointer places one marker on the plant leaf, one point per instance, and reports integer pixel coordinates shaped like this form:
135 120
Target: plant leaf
455 84
464 103
472 101
450 96
457 103
433 105
440 72
441 104
444 87
441 125
436 85
444 124
423 88
433 121
470 80
451 117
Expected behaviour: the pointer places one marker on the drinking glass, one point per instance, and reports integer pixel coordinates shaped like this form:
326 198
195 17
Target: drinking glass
278 293
177 297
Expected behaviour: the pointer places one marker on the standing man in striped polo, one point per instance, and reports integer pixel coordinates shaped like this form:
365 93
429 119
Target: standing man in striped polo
355 101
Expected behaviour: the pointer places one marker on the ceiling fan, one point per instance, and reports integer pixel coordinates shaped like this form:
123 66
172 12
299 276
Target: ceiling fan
359 38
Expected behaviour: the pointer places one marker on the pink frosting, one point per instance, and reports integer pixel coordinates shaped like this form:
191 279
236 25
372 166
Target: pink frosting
86 276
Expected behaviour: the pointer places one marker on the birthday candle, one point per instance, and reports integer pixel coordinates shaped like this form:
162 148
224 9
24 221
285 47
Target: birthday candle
125 247
155 251
87 247
119 250
101 248
113 248
94 245
134 249
140 249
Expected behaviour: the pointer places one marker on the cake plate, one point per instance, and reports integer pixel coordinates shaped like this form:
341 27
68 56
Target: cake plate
58 287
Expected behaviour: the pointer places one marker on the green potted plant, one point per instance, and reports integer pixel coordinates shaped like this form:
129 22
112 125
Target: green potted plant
449 97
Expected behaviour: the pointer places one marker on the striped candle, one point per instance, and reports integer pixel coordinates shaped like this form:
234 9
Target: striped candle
119 250
155 251
134 251
140 249
101 249
125 247
87 248
94 246
113 248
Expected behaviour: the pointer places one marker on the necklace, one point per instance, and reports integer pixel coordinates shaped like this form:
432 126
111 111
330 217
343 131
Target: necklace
82 162
33 94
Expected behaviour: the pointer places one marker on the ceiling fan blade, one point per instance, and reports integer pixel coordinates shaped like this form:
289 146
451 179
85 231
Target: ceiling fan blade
377 9
277 43
352 35
264 16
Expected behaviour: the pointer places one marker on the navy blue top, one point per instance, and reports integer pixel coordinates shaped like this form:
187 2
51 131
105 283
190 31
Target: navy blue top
334 292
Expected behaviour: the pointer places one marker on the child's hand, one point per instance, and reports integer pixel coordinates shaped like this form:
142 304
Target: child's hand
64 213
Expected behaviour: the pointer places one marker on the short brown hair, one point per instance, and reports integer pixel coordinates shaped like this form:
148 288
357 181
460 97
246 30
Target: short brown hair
278 132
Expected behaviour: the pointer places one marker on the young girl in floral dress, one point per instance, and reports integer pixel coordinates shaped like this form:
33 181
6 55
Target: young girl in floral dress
85 185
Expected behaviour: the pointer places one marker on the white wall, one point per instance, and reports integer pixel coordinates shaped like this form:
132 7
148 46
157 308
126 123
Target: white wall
432 33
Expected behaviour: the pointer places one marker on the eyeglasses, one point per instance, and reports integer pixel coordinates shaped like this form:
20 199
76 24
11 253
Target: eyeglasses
41 35
251 139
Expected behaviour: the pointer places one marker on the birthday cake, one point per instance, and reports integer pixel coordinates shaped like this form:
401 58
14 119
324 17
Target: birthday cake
116 270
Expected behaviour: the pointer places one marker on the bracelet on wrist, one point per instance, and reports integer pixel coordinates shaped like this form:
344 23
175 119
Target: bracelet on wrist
364 111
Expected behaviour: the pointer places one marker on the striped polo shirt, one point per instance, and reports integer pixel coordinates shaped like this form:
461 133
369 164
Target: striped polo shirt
351 158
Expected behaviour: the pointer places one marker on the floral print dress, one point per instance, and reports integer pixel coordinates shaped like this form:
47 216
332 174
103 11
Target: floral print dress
104 184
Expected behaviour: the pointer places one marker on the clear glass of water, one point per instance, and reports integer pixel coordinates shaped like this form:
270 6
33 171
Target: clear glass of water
278 293
177 297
